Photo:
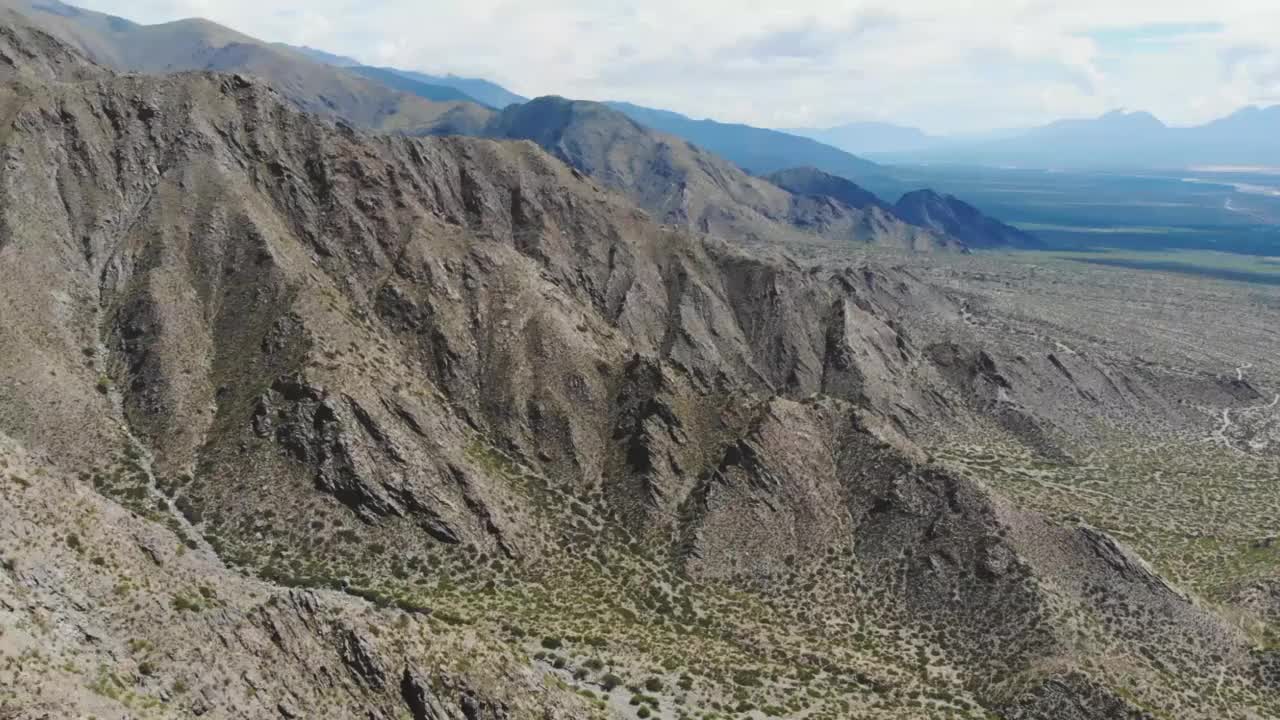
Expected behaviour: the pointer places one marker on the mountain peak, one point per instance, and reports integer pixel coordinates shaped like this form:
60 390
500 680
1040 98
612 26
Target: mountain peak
1132 117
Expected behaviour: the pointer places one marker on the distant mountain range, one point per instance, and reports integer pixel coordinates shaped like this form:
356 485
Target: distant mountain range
870 137
476 89
484 91
394 99
682 184
404 83
1116 140
757 150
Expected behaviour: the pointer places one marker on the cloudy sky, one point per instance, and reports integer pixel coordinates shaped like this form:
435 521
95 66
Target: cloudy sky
944 65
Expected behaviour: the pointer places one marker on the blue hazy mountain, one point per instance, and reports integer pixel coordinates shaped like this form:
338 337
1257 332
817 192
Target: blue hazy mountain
870 137
1120 139
399 81
757 150
952 216
477 89
1248 136
485 91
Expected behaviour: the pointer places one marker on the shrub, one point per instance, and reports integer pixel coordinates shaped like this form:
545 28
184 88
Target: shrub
189 511
551 643
610 681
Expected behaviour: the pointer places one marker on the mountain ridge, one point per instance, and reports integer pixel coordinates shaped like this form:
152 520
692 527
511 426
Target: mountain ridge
869 137
198 44
758 150
482 91
682 184
303 419
1123 139
393 100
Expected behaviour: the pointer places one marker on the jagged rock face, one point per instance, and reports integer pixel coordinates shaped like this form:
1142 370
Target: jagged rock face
685 186
402 332
956 218
459 261
238 324
29 51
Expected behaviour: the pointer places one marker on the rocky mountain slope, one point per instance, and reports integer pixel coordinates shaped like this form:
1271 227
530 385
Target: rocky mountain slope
683 185
299 420
196 44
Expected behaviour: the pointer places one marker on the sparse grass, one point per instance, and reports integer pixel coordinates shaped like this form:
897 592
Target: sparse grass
1198 512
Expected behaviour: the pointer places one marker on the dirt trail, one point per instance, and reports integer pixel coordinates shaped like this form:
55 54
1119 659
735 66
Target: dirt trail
1240 371
1221 436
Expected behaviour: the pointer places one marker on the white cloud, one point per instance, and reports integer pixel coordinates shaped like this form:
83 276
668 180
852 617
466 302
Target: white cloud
945 65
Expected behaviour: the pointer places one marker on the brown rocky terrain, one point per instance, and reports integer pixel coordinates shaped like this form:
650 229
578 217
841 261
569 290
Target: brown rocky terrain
305 421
